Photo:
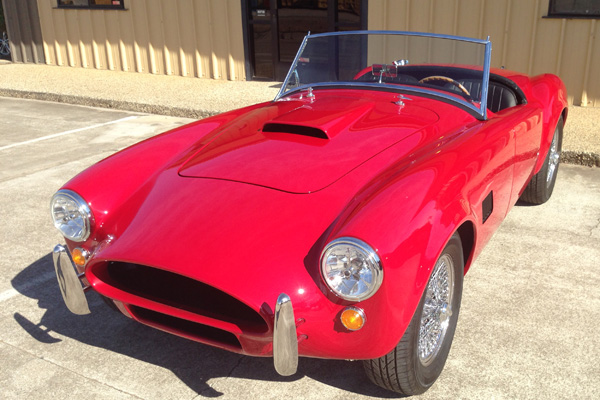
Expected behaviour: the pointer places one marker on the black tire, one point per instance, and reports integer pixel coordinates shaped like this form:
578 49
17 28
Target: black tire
540 187
403 370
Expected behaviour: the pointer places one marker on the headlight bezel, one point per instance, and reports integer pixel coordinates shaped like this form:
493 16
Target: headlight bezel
370 255
83 210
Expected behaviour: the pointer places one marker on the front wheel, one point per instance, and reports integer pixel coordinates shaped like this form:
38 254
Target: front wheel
540 187
417 361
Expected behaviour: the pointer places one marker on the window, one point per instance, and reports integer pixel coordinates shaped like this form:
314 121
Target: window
110 4
574 8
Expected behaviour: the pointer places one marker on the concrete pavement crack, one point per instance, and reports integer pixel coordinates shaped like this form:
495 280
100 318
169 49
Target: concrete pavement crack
210 391
235 367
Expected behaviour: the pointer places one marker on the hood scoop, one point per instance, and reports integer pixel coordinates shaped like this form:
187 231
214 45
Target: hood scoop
301 130
297 147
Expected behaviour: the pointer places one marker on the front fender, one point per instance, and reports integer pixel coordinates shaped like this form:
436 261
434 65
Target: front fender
408 220
131 173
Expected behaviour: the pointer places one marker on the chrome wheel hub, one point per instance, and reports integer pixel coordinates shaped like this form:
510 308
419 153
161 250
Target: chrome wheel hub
437 310
553 159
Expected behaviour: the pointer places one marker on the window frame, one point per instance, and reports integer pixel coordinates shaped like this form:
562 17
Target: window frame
552 13
90 6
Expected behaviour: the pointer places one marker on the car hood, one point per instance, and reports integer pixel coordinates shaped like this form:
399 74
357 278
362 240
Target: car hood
303 145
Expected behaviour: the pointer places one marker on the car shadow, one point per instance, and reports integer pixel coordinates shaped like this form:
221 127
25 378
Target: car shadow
193 363
521 203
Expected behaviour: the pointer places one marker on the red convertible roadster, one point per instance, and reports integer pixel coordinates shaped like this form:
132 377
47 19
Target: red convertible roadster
336 221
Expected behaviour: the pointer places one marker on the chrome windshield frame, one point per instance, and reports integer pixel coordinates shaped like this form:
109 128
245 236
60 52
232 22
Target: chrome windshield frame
480 112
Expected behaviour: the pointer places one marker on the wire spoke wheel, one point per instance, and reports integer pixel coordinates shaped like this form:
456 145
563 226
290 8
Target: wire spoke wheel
540 187
437 310
553 159
419 358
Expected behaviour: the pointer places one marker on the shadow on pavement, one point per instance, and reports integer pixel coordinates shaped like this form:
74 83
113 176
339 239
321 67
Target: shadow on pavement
193 363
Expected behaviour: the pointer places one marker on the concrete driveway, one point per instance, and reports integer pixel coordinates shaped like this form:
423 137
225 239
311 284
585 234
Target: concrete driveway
528 326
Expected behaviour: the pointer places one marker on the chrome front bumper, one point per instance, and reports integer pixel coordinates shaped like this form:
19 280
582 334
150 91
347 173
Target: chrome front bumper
68 282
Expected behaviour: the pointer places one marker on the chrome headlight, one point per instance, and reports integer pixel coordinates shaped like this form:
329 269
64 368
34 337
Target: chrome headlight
71 215
351 269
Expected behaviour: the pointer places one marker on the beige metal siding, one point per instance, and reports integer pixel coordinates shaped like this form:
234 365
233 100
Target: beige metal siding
24 32
201 38
522 40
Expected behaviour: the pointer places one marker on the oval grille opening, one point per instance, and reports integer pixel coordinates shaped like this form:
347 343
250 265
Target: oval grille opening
190 329
180 292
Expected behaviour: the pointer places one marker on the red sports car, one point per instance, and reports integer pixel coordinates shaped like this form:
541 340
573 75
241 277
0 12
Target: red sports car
336 221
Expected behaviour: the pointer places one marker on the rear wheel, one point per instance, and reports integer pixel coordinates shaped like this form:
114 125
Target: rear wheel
540 187
417 361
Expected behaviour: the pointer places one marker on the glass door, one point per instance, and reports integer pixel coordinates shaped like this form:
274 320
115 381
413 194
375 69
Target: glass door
275 29
261 24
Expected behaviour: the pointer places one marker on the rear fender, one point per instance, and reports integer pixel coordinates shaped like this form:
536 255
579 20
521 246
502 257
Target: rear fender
549 94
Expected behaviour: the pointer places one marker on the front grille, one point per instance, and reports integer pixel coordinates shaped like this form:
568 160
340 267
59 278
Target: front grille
180 292
186 328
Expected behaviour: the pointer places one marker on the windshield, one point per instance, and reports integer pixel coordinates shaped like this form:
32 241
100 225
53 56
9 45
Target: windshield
450 68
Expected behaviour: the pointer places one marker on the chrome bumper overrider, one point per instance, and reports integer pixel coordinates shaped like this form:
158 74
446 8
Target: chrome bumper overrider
69 283
285 341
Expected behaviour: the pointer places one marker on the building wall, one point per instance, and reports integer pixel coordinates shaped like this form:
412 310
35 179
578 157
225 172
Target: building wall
521 39
204 38
23 29
195 38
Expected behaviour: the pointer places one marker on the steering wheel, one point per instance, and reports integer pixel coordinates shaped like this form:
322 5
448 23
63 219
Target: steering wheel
446 79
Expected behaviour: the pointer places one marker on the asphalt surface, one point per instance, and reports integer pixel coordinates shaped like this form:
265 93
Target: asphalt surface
528 327
198 98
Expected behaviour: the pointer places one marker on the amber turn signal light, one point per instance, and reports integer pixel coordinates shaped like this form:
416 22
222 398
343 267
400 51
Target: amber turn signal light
353 318
80 256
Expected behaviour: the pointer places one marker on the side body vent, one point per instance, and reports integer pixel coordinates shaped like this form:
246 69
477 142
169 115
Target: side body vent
295 130
487 207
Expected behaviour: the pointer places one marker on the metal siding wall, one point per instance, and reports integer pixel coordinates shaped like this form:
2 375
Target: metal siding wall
201 38
24 32
36 32
521 24
418 15
573 57
522 40
442 16
236 61
593 66
187 35
146 56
